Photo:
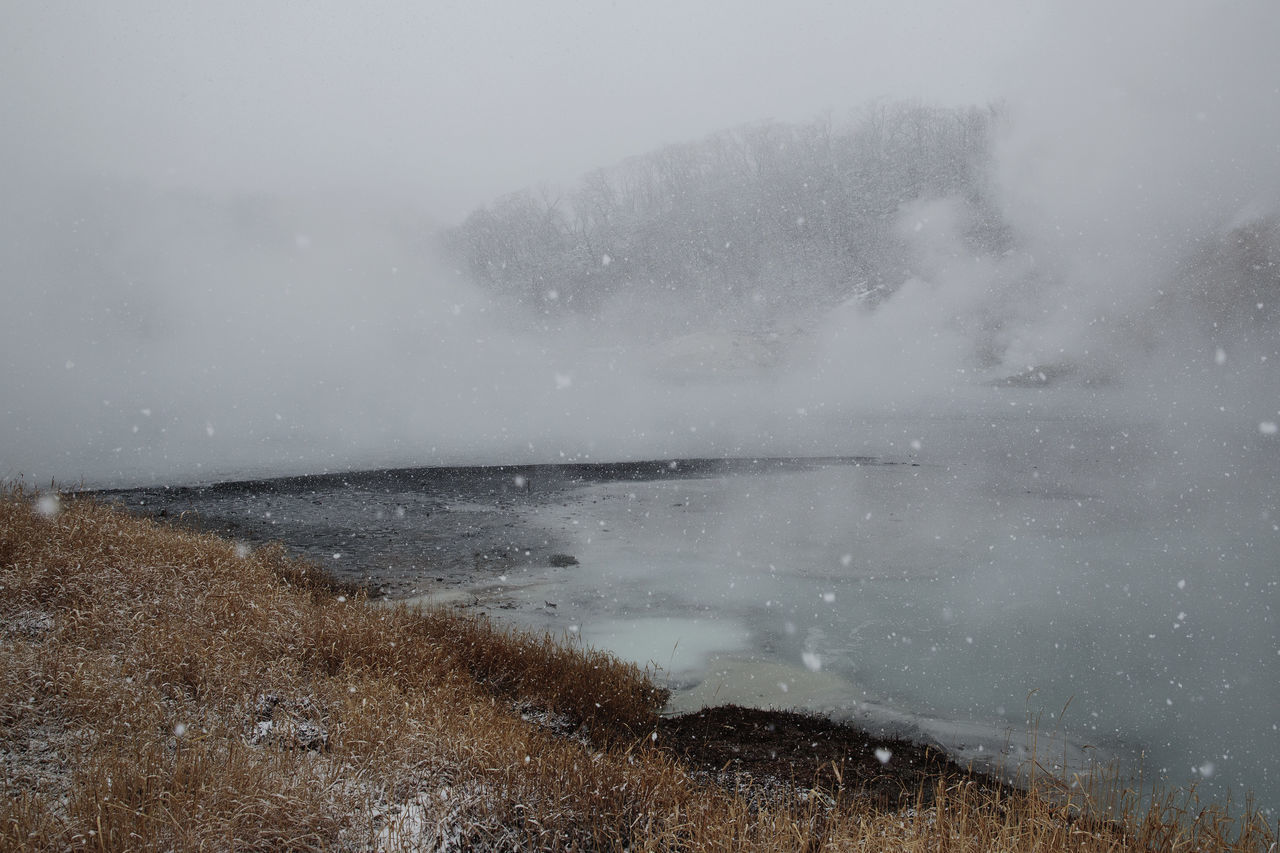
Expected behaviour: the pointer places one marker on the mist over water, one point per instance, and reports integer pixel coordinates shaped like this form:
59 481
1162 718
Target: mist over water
1024 573
166 334
1117 360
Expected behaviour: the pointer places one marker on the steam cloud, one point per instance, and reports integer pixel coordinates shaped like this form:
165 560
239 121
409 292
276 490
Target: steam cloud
159 335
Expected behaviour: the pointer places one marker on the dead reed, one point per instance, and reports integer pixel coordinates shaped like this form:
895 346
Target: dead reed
161 689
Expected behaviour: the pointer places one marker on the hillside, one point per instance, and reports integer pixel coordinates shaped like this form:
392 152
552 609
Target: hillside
167 690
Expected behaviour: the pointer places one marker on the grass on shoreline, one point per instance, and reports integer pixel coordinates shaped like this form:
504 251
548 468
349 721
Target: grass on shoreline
164 689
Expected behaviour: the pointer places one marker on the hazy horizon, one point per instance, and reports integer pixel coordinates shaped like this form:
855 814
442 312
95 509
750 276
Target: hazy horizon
217 225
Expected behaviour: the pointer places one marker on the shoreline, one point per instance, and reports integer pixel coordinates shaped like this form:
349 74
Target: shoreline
400 530
134 686
477 538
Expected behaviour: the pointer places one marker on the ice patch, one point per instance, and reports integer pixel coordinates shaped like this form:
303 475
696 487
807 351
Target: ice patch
674 644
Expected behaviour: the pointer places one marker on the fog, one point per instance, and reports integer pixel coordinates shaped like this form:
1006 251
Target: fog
217 246
453 104
218 243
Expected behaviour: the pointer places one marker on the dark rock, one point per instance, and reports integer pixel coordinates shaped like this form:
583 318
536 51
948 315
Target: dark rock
736 744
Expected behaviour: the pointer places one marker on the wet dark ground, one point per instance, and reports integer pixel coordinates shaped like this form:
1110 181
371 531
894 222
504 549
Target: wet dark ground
737 745
401 532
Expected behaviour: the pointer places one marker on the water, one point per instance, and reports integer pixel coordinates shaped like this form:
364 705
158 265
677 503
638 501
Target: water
1108 583
1068 576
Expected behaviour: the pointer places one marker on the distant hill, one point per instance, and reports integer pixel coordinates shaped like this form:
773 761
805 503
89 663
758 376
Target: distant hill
747 227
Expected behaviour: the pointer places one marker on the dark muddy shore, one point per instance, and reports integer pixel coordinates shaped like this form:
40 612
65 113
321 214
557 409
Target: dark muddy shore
771 749
409 531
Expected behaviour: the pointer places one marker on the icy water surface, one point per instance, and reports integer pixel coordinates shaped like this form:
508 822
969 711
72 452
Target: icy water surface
1113 586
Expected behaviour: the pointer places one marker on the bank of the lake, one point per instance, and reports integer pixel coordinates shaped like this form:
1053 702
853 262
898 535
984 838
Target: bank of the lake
163 688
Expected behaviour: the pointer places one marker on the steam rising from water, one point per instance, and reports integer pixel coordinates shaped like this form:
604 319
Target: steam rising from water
161 336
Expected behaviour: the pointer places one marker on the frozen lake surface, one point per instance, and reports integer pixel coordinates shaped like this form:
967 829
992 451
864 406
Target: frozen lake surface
1109 583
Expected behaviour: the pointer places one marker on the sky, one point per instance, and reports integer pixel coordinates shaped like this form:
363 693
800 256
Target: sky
453 103
212 216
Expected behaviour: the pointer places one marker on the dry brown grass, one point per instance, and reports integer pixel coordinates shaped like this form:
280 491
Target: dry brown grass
161 689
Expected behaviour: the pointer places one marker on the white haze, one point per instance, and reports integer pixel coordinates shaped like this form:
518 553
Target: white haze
156 334
451 104
215 218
